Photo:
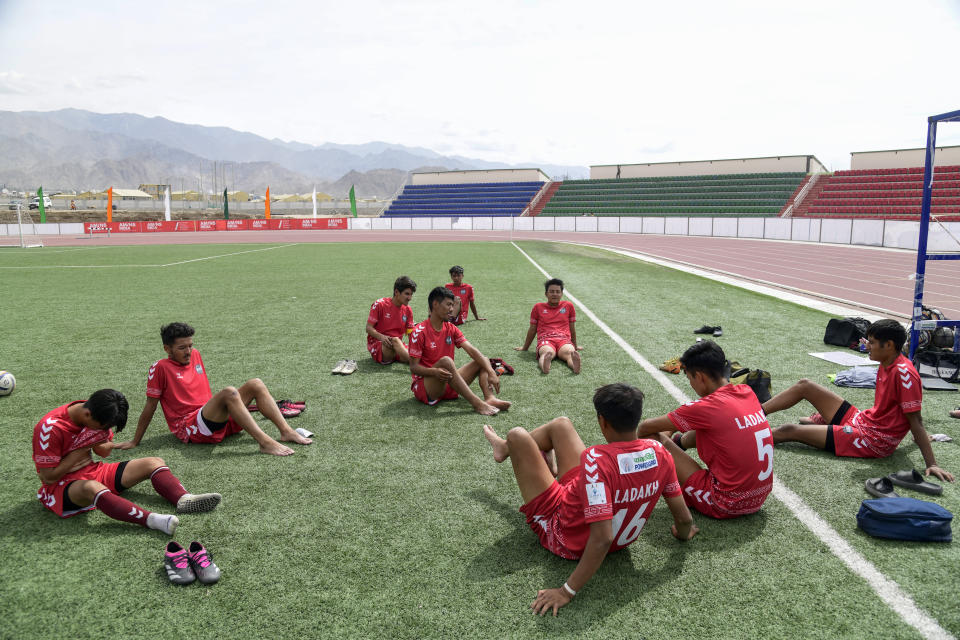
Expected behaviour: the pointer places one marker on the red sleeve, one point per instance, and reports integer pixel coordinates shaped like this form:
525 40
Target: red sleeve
689 416
374 314
594 492
470 291
457 335
410 323
573 312
156 381
533 315
671 486
47 445
416 344
911 398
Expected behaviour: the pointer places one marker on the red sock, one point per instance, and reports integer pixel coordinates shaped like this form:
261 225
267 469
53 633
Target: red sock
166 484
119 508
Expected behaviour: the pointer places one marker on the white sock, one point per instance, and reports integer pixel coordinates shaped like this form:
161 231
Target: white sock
163 522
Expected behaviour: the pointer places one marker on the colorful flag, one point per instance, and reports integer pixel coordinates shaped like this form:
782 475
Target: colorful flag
353 201
110 204
43 210
226 208
267 205
314 201
166 204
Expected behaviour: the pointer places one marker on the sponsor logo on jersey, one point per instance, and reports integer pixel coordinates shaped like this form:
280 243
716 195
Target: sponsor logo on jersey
463 292
449 340
848 429
563 309
596 493
199 369
637 461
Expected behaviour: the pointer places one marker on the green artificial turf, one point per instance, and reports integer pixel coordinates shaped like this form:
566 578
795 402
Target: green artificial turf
396 523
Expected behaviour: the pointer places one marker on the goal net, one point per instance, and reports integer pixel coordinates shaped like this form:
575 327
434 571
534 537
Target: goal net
17 228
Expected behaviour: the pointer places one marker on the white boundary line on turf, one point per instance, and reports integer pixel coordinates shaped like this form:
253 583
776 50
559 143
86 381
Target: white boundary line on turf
888 590
137 266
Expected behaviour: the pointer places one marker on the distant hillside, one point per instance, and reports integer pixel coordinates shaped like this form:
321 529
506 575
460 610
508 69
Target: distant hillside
73 149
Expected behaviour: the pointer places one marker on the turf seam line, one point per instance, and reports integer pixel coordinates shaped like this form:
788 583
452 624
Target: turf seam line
225 255
169 264
888 590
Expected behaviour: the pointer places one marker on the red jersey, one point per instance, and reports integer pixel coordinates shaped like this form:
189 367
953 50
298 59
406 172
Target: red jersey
56 435
619 481
465 294
389 319
735 442
899 392
430 345
553 322
181 388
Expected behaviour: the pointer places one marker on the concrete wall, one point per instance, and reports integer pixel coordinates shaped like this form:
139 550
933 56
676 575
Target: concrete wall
899 158
484 175
775 164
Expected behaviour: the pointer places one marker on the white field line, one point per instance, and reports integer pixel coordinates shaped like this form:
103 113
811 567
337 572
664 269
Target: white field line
888 590
149 266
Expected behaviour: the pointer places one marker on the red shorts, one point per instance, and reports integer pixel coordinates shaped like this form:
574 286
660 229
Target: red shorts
543 516
51 495
420 392
700 492
553 343
852 441
192 429
376 350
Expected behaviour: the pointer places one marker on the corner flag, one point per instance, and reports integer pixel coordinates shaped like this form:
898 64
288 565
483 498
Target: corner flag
353 201
43 210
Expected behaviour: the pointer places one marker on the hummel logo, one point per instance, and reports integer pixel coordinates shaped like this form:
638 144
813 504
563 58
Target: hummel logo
858 443
44 446
50 501
907 385
136 513
593 478
44 437
540 520
590 467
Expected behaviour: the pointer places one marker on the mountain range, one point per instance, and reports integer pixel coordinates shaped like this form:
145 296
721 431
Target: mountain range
72 149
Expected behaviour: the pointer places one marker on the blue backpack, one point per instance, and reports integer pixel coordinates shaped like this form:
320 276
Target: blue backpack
905 519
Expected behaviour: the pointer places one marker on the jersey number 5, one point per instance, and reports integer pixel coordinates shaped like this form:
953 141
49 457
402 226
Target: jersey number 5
633 529
765 451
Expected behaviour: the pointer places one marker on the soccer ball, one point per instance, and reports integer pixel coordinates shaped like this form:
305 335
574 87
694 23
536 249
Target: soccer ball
7 383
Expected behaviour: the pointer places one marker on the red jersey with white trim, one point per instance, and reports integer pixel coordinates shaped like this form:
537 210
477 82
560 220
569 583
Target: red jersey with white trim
899 392
56 435
465 294
389 319
735 442
181 388
430 345
553 322
619 481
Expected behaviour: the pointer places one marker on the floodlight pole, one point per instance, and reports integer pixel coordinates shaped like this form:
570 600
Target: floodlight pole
20 226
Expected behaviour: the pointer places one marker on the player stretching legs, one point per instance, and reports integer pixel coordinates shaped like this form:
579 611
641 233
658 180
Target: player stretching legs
604 495
552 324
435 376
74 483
180 385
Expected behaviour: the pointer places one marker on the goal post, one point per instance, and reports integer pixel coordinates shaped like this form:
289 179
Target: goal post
17 228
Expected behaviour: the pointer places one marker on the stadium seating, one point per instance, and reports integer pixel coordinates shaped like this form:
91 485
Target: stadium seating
882 193
753 194
478 199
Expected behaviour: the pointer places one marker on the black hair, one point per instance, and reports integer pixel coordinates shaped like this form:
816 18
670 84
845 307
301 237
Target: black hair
551 282
108 407
706 357
887 329
438 294
169 333
403 283
456 269
620 404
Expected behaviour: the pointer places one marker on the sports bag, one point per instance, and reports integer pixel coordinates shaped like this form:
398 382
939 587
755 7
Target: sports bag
942 364
757 379
905 519
846 332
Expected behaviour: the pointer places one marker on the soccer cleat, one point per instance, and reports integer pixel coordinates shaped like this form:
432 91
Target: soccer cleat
163 522
706 329
349 367
198 503
814 418
299 404
202 564
338 368
289 412
717 332
177 563
671 366
253 408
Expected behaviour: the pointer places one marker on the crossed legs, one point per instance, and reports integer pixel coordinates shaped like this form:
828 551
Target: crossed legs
460 380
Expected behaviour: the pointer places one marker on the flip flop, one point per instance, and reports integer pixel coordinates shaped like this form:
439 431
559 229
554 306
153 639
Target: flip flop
880 487
911 479
304 432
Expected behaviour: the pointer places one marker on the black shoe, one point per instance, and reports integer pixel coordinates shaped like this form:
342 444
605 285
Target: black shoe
717 332
706 329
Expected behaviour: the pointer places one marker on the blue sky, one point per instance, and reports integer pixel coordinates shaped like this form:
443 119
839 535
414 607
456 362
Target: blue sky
559 82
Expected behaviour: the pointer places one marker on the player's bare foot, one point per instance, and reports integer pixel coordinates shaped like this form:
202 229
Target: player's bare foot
276 449
545 361
296 438
500 451
486 409
502 405
575 361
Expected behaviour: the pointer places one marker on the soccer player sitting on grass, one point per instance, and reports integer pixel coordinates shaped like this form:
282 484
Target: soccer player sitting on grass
390 319
601 497
464 295
731 435
552 324
73 482
842 429
435 376
194 414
